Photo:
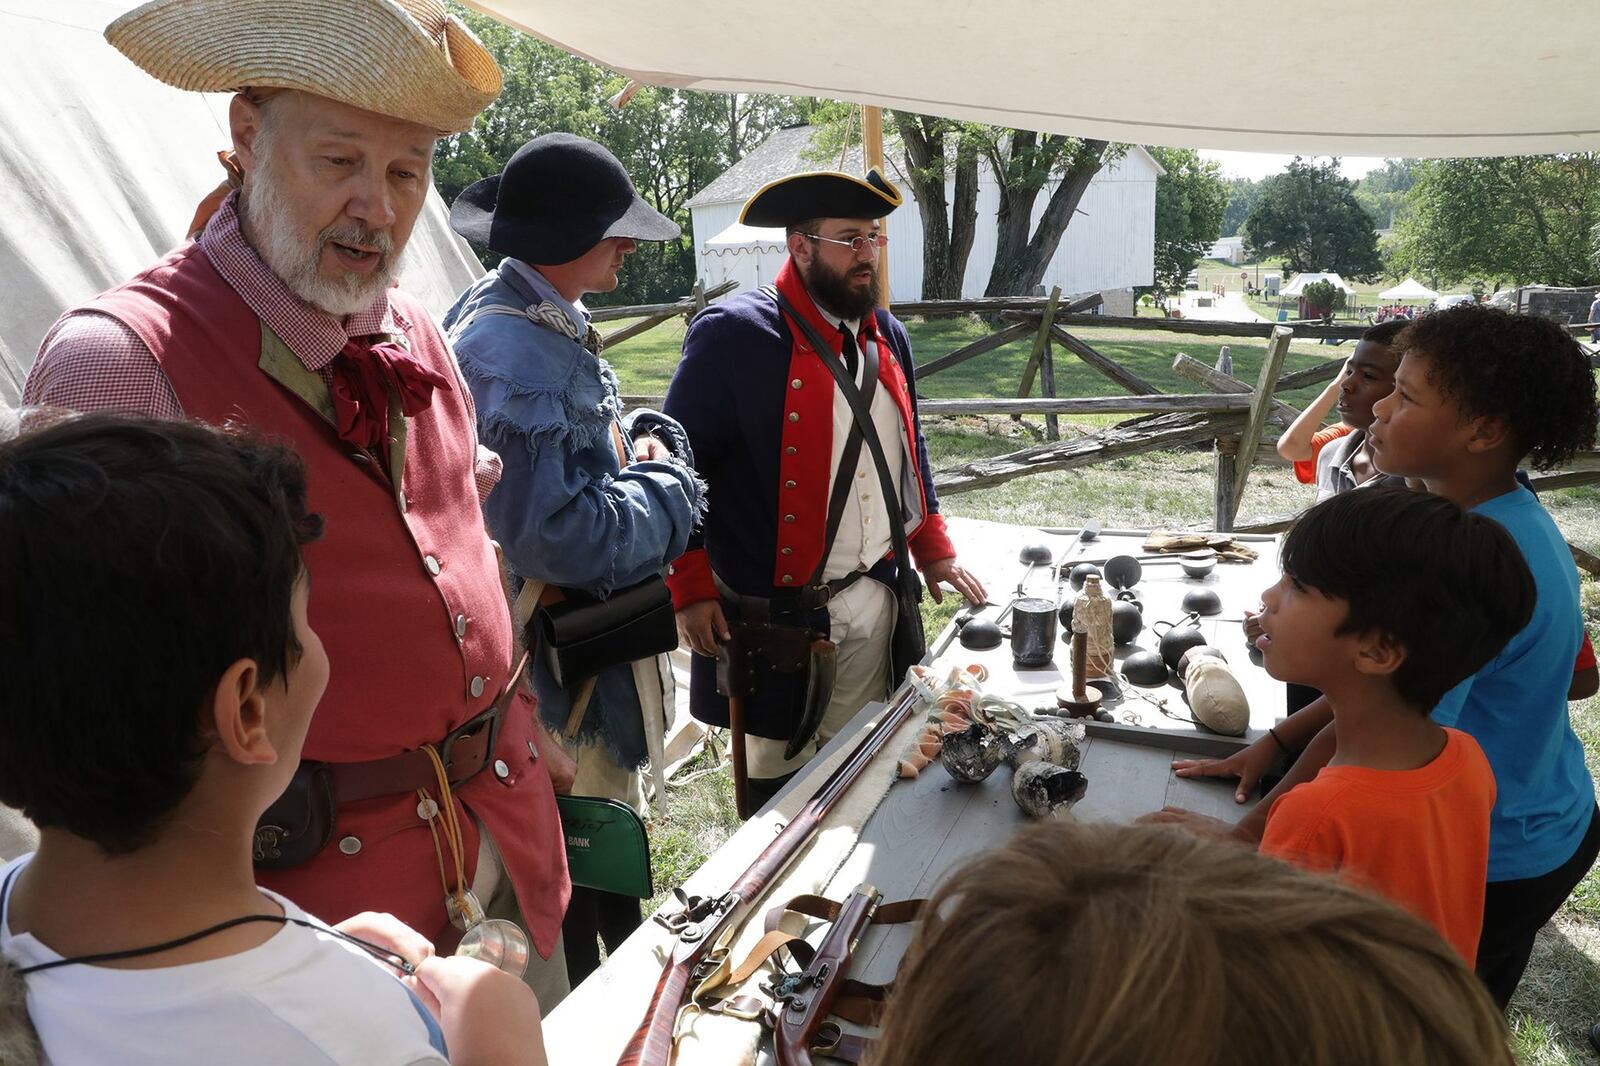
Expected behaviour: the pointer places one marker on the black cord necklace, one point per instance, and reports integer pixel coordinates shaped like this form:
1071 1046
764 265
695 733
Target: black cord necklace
381 954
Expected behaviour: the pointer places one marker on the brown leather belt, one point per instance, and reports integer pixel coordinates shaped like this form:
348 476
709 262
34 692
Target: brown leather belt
465 751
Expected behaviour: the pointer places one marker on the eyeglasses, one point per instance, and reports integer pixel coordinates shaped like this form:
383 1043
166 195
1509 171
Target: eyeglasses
855 244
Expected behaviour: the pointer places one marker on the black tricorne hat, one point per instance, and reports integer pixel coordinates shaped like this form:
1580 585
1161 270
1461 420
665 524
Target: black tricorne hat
557 197
820 194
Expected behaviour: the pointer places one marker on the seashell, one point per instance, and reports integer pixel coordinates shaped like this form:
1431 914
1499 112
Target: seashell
906 772
1042 789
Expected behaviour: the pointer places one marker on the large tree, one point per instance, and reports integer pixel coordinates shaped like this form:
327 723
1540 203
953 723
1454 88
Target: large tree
1383 191
1309 215
672 142
1242 196
1191 198
1024 164
941 152
1516 219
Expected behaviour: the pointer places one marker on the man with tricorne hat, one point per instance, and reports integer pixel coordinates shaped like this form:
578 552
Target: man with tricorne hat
800 540
592 506
425 790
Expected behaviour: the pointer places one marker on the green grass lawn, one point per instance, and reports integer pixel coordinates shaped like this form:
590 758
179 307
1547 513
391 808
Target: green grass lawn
1560 996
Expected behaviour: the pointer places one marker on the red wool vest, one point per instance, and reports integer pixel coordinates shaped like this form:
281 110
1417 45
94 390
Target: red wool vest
407 601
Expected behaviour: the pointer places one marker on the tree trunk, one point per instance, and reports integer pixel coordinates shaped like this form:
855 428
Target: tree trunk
1021 260
945 243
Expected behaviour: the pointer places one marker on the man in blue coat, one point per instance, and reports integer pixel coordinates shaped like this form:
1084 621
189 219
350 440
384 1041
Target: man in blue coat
589 503
770 428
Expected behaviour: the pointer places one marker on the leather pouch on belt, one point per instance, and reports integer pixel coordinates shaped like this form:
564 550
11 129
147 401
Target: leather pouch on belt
753 650
300 823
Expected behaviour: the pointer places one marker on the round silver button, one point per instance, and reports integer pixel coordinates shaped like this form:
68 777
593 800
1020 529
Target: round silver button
501 770
788 579
427 810
461 625
432 565
788 484
794 416
796 384
400 498
361 457
476 688
350 845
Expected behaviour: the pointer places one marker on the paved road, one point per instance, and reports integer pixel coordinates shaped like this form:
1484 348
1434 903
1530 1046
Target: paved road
1229 307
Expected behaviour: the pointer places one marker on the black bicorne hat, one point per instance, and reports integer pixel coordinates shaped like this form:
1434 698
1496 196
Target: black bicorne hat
820 194
557 197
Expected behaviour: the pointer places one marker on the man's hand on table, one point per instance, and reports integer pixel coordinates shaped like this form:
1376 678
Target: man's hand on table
961 579
702 627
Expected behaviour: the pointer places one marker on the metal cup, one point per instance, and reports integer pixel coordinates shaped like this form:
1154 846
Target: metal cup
1033 632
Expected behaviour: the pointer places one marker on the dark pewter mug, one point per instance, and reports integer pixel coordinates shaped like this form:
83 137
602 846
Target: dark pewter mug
1033 632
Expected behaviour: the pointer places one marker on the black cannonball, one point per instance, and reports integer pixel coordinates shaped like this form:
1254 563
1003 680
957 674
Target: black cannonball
1145 669
1202 601
980 634
1065 615
1126 622
1081 572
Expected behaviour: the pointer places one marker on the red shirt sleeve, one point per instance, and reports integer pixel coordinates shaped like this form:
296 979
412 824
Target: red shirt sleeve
1305 470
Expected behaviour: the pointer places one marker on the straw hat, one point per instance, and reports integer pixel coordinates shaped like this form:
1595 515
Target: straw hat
408 59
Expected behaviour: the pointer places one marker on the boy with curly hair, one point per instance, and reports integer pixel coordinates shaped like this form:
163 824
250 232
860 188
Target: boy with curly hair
1479 391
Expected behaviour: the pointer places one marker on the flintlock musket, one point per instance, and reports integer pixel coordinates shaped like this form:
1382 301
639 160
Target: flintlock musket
808 998
706 927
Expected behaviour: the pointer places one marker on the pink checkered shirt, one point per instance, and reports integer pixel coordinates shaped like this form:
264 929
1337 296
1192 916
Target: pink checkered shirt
90 361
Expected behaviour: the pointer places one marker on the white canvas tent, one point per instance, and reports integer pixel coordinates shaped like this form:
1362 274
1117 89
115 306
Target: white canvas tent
1409 289
747 255
1298 285
101 167
1491 81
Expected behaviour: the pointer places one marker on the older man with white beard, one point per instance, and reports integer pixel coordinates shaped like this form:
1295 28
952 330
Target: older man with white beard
427 784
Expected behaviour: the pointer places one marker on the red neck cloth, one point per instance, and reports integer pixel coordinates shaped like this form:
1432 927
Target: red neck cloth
364 377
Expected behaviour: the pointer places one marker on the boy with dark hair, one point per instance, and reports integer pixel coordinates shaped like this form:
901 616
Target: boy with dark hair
1478 391
157 678
1402 808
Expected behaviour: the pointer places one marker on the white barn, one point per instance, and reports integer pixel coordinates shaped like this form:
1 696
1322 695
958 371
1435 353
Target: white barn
1109 246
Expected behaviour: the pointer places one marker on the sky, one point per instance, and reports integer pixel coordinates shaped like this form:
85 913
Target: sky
1258 165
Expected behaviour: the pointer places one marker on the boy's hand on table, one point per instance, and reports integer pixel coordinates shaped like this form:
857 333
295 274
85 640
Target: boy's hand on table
1248 765
389 932
1199 824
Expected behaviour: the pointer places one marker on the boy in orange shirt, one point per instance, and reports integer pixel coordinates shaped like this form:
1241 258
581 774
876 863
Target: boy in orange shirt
1388 599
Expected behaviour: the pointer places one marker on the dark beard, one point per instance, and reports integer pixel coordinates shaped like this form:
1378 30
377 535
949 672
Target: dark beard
835 292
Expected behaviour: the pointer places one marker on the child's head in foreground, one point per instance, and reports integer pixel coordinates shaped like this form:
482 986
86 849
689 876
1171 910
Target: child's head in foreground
1388 581
1480 385
153 632
1121 945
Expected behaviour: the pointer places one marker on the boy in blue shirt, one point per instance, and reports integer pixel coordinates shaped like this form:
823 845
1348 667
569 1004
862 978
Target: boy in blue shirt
157 678
1478 392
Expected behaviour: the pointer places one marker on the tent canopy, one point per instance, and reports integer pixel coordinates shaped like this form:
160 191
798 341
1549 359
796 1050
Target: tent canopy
1298 285
1488 81
101 167
1409 289
737 237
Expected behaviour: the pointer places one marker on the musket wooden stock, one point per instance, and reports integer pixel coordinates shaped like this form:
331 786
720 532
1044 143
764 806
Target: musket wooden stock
717 920
796 1022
